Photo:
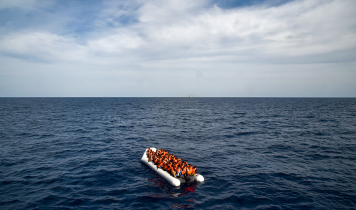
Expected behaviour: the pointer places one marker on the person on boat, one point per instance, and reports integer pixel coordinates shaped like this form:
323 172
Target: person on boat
170 163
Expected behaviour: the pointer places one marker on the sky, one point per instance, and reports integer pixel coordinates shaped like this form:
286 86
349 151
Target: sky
178 48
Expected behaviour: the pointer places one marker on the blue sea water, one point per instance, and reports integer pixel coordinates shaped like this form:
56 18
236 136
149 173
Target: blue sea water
255 153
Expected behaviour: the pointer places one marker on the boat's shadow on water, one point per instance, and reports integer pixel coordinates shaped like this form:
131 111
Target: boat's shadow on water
173 192
170 191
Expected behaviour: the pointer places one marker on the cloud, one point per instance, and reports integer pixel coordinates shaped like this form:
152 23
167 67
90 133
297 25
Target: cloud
176 29
161 46
294 29
42 46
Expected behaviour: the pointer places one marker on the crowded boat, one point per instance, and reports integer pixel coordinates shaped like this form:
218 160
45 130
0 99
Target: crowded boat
170 163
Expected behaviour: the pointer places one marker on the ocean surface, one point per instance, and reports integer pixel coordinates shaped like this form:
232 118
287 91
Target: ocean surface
255 153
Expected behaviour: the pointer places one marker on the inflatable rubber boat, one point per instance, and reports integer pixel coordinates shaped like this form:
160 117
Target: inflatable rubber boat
175 181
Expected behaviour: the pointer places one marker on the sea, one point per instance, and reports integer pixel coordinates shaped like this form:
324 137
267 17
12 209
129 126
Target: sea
254 153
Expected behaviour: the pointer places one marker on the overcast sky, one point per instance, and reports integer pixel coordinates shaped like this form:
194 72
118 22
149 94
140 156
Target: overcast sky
177 48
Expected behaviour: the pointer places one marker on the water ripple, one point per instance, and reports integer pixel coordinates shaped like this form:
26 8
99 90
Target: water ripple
255 153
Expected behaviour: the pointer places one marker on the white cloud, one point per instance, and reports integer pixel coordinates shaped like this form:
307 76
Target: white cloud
118 42
180 48
175 29
297 28
43 46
